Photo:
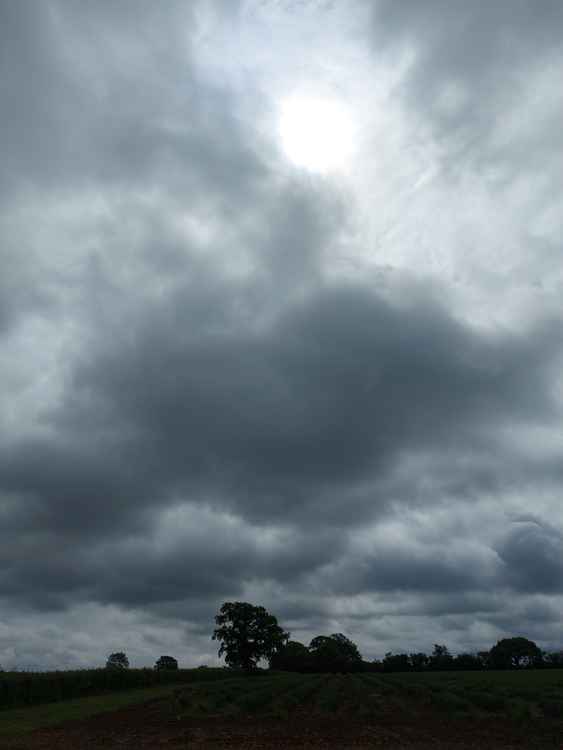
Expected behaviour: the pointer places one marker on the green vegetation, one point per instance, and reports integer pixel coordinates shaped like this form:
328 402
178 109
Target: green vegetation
522 697
517 696
20 721
33 688
118 660
247 634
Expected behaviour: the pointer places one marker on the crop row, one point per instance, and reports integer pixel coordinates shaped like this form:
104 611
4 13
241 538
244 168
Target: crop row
30 688
280 695
373 696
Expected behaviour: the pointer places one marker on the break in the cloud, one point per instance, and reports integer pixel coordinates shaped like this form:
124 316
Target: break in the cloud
227 375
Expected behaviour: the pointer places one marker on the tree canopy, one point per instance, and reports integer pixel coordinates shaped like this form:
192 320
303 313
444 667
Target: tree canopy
247 634
117 660
335 653
515 653
292 657
166 663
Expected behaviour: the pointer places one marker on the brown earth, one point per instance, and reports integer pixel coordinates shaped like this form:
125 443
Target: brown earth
153 726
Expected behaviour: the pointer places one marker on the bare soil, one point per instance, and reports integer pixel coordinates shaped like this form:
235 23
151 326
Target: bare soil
153 726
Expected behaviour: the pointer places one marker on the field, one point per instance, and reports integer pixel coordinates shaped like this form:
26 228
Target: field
33 688
439 710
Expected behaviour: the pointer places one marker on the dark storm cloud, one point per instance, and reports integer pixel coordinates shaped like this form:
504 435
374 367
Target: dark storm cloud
406 568
274 424
218 420
193 401
532 555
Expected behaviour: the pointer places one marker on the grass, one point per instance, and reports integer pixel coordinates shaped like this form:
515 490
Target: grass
16 722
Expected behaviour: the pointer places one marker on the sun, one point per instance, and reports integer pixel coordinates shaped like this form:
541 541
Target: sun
316 134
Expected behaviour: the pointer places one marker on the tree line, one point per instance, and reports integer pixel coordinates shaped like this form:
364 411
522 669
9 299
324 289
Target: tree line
249 634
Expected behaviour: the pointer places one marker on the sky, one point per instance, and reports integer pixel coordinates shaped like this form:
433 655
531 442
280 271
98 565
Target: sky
280 322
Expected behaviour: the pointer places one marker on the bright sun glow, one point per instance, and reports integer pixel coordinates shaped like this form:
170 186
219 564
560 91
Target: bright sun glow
316 134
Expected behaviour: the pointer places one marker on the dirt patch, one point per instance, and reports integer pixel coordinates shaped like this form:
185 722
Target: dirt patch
153 726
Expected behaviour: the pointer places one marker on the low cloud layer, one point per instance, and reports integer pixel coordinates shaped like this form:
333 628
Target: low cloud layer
226 377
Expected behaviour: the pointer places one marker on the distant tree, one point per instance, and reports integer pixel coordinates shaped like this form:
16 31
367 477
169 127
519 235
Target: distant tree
247 634
396 662
118 660
334 653
514 653
292 657
485 659
166 663
418 661
554 659
466 662
440 658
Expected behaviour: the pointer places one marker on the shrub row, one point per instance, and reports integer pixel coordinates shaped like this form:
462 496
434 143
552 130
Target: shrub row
30 688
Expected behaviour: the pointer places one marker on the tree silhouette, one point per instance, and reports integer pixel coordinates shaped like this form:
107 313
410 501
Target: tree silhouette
118 660
334 653
247 634
513 653
440 658
166 662
293 657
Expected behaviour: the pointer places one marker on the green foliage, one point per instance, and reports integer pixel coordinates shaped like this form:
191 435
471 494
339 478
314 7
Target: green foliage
304 688
329 697
418 661
20 721
166 662
514 653
247 634
440 658
452 694
118 660
466 662
33 688
396 662
334 653
492 702
230 697
292 657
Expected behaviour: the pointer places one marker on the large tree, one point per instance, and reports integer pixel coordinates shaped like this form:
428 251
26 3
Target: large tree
335 653
513 653
293 657
247 634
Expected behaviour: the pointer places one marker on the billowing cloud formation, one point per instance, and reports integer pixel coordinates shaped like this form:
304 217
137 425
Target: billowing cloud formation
223 377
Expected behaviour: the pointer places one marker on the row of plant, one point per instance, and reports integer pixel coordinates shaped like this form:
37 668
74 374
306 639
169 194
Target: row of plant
373 696
243 696
30 688
522 695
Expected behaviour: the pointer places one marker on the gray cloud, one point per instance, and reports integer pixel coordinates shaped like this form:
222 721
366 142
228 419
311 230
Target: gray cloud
198 403
470 60
533 556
